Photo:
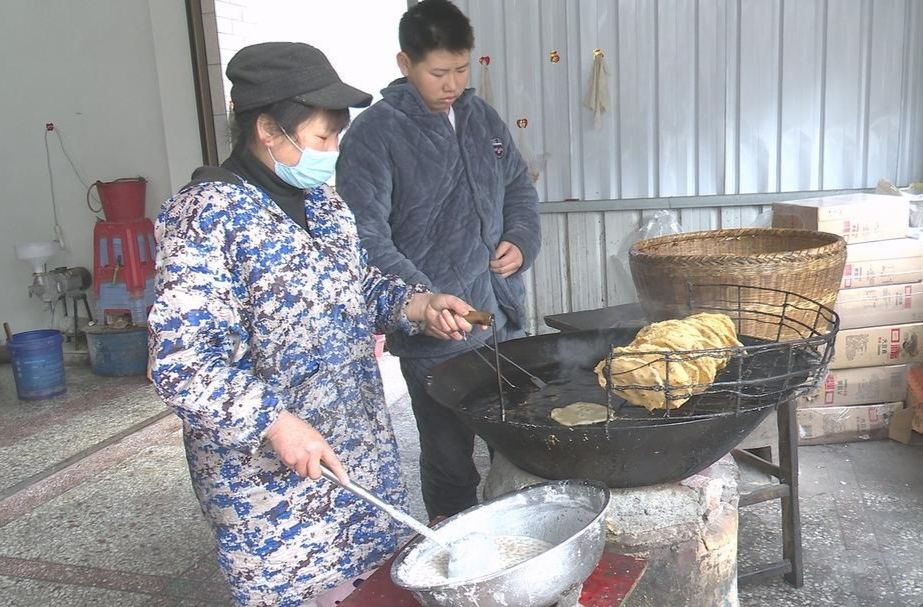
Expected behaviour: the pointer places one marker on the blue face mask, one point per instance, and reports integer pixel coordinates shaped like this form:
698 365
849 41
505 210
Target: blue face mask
312 169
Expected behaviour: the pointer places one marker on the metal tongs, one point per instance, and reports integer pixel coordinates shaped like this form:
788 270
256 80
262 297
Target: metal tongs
477 317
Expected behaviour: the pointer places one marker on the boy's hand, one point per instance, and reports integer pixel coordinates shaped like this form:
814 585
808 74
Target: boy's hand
508 259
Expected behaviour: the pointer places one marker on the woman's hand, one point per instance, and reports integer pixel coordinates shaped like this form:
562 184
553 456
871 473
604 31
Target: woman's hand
302 448
442 314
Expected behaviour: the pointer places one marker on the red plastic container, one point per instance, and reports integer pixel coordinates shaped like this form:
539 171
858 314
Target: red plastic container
122 199
123 252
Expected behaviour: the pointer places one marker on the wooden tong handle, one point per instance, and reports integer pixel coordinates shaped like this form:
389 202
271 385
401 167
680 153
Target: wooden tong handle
477 317
8 331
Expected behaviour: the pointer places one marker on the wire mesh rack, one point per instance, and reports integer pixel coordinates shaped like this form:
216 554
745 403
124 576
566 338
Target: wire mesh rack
788 358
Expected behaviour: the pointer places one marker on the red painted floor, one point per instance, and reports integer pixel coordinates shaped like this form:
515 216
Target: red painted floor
609 584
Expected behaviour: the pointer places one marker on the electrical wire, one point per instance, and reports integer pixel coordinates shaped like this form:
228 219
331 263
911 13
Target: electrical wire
54 204
74 167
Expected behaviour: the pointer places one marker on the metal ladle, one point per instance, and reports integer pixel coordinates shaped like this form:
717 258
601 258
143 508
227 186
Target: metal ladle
471 556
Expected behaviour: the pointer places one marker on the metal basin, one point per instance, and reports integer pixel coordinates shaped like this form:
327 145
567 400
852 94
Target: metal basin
569 515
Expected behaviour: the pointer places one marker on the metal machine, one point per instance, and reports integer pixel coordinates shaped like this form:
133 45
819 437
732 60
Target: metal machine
53 286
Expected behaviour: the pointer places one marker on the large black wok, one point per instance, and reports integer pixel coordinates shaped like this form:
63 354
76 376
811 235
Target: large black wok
623 452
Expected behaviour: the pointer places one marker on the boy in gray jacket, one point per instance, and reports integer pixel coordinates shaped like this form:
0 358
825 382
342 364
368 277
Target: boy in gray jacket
441 197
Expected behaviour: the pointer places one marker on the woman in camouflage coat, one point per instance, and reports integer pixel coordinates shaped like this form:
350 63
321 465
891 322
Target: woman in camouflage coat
262 340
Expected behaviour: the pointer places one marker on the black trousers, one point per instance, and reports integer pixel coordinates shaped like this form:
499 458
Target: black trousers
448 476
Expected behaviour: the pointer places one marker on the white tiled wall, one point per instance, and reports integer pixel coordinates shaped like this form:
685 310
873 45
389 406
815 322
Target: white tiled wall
227 30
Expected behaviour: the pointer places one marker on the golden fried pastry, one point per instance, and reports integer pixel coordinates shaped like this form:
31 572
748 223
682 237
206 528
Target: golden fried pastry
719 324
631 367
679 336
716 334
635 374
580 414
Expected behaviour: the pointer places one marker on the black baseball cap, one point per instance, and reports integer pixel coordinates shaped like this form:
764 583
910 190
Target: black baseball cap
262 74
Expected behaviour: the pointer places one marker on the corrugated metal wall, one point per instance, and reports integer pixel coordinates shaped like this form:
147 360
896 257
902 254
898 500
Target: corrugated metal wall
710 96
706 97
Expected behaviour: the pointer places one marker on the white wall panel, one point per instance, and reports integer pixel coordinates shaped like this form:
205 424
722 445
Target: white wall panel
490 34
677 37
845 93
556 107
531 307
760 45
802 94
884 104
576 77
603 154
585 254
910 152
711 95
696 220
525 99
637 96
551 267
731 157
738 217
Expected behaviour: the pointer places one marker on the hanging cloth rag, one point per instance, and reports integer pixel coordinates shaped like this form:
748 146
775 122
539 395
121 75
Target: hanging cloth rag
535 162
597 95
484 84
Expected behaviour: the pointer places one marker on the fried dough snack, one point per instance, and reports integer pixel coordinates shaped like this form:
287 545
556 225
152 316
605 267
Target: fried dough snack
686 374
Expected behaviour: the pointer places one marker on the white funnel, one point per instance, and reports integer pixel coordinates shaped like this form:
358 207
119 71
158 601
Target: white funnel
36 253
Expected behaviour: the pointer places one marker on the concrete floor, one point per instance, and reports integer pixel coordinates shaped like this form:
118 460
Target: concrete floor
96 508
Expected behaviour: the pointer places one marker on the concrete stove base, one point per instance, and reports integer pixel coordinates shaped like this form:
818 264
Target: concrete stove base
687 532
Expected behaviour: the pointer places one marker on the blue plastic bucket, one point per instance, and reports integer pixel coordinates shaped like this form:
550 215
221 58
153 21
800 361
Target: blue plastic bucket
117 352
37 358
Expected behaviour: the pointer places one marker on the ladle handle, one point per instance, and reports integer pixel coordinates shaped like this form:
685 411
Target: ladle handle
383 505
478 317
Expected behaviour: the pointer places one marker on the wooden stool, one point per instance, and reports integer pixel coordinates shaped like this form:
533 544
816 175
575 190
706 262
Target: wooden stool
791 566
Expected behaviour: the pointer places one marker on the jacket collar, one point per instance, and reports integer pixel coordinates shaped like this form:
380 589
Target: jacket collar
288 199
404 96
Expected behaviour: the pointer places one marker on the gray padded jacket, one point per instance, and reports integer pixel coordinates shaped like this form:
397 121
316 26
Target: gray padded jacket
432 204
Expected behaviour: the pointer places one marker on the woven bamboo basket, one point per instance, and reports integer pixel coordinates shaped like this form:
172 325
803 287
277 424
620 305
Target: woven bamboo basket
806 263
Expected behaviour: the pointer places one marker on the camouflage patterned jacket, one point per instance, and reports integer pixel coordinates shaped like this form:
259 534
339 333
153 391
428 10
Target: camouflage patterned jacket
255 315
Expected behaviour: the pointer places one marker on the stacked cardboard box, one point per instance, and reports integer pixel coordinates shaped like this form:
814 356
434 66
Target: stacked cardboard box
827 425
882 262
915 397
860 386
880 304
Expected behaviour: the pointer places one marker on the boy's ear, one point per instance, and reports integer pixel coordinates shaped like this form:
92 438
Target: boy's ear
403 62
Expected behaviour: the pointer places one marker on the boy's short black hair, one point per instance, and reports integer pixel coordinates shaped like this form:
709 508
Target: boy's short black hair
434 25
